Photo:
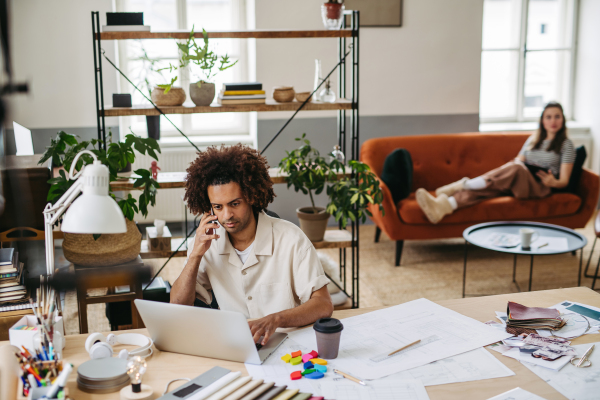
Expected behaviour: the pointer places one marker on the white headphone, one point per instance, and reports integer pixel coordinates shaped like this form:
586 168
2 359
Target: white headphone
99 346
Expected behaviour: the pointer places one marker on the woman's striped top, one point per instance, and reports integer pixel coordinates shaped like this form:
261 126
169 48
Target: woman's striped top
549 159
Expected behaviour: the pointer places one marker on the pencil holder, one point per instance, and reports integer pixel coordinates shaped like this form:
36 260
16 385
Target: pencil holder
23 332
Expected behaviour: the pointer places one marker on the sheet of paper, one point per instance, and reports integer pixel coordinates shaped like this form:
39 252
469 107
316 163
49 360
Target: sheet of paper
574 327
526 358
573 382
375 390
276 370
470 366
517 394
554 244
368 339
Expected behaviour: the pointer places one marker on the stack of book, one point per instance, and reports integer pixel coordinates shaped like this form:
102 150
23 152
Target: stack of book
13 293
242 93
525 318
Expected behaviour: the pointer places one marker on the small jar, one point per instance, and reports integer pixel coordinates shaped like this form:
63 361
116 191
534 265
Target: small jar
333 15
283 94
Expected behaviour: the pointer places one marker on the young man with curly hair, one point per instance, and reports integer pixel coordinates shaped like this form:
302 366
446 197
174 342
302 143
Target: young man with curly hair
263 267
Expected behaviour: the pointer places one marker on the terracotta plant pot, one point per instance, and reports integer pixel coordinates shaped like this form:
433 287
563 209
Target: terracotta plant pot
313 225
204 95
283 94
175 96
334 10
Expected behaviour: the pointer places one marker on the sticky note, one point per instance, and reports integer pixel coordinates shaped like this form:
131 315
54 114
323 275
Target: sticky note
308 364
308 371
318 361
321 368
314 375
314 354
306 357
286 358
296 353
296 360
296 375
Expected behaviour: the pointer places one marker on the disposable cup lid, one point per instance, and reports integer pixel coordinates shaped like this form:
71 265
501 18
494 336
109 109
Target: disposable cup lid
328 325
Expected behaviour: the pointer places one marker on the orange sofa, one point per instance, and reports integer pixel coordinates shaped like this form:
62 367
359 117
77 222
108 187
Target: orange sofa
441 159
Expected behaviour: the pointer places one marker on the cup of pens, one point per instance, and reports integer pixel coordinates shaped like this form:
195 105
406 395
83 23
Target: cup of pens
40 340
328 332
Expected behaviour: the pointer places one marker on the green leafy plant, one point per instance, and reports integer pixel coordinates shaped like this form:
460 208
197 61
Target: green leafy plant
349 196
202 57
307 170
147 70
64 148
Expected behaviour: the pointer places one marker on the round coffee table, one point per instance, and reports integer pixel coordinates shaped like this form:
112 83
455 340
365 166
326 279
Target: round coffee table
553 239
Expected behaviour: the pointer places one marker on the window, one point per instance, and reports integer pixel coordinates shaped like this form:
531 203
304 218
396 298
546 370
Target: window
135 56
527 58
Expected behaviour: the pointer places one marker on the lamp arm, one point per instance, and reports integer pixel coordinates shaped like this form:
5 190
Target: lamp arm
74 163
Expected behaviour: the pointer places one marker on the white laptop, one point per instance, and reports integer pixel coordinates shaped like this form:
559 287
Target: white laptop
204 332
23 141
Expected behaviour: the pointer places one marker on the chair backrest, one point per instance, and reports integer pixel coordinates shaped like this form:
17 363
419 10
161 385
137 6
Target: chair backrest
445 158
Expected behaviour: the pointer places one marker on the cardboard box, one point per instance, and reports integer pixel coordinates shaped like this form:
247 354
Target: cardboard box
24 338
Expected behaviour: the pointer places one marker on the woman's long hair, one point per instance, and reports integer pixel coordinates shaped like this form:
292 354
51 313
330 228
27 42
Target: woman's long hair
541 133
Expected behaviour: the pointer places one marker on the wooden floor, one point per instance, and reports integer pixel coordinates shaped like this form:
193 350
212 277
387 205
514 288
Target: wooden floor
430 268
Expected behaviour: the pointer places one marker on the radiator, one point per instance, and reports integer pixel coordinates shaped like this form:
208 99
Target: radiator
169 202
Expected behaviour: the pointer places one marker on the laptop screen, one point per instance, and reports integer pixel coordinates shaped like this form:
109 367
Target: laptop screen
23 140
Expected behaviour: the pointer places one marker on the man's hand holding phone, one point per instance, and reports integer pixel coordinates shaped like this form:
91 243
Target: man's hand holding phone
205 234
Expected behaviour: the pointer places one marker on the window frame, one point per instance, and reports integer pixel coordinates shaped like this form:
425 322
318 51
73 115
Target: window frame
199 137
521 64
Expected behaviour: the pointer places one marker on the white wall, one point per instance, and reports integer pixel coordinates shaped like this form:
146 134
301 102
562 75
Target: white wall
587 87
430 65
52 50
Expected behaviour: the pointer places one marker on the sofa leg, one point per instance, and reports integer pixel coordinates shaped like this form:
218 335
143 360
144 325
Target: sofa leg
399 246
377 234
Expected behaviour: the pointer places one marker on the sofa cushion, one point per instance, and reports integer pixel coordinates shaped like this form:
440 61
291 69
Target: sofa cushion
397 174
496 209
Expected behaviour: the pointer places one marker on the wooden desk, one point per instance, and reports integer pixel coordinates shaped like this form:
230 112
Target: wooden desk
163 366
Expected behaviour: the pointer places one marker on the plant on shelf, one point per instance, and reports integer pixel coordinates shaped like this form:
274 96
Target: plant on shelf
310 173
64 148
207 62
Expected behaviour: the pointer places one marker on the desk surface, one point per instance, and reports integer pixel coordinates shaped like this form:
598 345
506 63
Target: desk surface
163 366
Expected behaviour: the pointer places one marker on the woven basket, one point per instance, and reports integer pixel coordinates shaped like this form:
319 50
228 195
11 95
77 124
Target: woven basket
175 96
109 249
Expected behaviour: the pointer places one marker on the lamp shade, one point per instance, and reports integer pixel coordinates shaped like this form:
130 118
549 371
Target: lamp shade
94 214
94 211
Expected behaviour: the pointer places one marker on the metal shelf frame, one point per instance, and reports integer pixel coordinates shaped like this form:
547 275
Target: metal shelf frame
347 119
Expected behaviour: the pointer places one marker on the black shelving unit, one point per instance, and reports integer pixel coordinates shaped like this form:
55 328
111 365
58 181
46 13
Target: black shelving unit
348 114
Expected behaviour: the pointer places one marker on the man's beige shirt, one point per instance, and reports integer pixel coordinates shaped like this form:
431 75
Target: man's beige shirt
281 272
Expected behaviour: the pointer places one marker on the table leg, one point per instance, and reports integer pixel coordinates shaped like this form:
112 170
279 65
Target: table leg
82 306
580 265
596 275
465 269
530 272
515 273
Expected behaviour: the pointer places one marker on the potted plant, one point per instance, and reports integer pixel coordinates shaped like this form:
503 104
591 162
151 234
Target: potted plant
308 172
332 13
202 92
148 75
105 249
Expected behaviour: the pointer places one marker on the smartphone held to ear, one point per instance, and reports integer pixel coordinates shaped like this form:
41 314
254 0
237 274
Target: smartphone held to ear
211 231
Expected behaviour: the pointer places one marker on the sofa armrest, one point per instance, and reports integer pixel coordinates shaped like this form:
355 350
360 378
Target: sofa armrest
390 223
588 190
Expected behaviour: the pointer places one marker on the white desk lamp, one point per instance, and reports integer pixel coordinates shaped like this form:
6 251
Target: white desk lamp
93 212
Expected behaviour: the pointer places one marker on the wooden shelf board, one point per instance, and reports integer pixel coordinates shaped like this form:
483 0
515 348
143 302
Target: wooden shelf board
190 108
174 180
256 34
335 239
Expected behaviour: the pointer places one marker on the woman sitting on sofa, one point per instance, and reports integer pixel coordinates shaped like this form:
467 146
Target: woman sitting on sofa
548 148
